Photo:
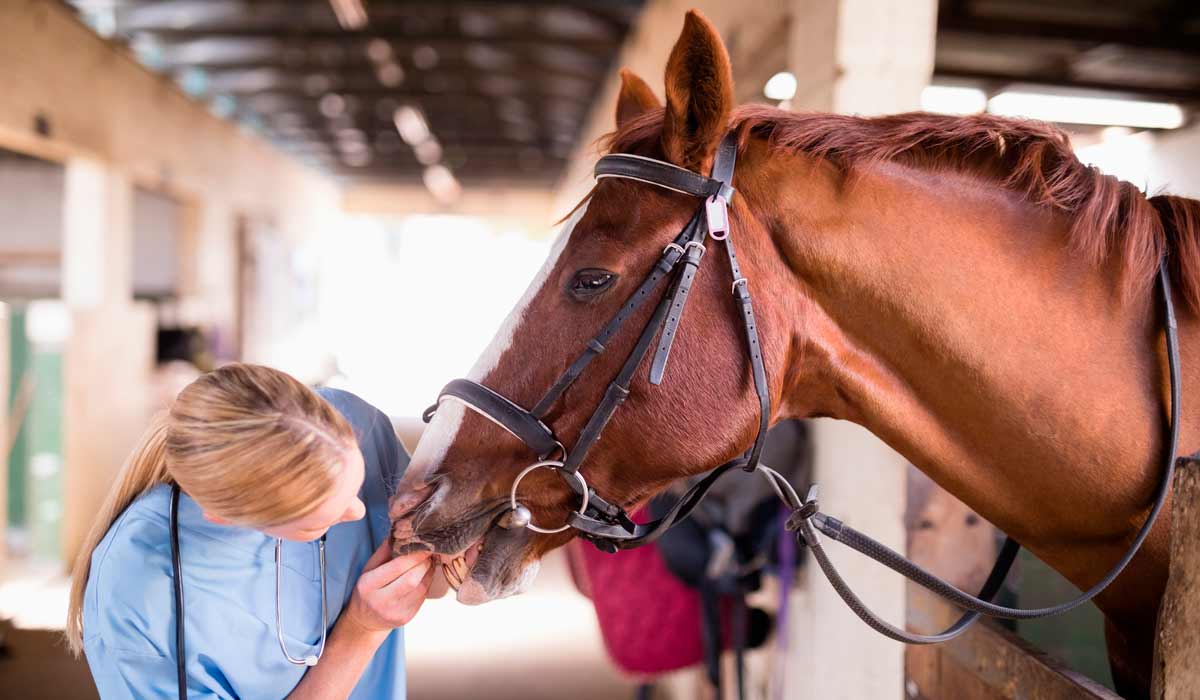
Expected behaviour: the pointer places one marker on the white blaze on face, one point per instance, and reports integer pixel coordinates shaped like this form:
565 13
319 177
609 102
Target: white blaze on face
443 429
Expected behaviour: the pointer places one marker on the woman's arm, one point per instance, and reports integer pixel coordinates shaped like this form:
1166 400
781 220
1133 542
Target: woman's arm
387 595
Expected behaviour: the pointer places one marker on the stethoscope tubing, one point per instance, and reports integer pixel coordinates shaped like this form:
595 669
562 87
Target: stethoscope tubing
177 568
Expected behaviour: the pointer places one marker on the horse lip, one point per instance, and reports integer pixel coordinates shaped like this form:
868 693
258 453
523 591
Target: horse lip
459 534
498 561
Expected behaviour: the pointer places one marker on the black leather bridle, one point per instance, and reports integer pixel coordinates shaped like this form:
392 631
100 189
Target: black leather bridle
608 525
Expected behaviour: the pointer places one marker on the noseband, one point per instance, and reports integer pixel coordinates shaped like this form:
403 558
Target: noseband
608 525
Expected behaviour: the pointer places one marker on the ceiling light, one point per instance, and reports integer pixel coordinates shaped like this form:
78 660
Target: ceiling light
425 57
411 124
379 50
441 183
781 86
1070 109
332 105
351 14
390 74
949 99
428 151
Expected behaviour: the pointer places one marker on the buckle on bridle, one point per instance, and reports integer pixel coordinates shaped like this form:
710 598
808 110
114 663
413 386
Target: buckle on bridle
716 210
807 510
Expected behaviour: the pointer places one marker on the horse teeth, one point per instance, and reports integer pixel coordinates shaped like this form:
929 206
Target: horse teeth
455 572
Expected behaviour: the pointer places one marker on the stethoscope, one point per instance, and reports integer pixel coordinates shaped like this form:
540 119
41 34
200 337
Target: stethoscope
177 565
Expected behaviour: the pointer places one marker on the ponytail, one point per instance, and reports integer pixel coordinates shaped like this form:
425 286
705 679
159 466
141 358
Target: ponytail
145 468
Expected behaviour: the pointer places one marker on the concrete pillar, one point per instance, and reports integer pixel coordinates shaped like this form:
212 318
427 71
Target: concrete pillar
861 57
101 412
217 282
97 253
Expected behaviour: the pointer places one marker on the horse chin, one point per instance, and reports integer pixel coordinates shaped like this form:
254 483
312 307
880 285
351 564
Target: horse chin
501 568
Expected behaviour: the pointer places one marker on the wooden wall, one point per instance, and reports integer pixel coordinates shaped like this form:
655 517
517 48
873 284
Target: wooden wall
991 663
1177 653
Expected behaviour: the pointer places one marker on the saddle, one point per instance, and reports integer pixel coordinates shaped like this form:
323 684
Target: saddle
682 601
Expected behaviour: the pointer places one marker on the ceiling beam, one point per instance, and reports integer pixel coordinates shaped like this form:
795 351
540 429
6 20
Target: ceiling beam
403 93
1140 37
359 64
177 36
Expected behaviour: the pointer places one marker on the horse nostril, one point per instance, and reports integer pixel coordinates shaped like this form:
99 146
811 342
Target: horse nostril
407 501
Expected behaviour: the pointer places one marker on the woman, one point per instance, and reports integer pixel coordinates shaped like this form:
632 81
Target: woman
261 462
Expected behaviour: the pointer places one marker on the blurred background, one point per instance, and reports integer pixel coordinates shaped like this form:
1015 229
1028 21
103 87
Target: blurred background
189 182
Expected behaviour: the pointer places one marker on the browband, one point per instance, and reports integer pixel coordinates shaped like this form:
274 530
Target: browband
665 175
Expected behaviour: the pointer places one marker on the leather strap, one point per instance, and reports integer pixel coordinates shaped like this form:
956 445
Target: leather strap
618 391
758 370
503 412
612 536
665 265
723 168
724 162
679 297
662 174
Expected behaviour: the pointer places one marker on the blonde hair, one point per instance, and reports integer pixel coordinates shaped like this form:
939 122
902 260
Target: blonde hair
248 443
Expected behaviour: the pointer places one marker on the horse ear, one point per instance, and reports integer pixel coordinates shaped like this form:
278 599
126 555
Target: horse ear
699 84
636 98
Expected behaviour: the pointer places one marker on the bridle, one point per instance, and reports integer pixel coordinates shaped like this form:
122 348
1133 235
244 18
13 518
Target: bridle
609 526
606 524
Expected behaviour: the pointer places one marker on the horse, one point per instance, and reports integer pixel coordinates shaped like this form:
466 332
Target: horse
962 287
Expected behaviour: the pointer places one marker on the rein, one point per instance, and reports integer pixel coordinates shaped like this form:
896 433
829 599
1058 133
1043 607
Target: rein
608 525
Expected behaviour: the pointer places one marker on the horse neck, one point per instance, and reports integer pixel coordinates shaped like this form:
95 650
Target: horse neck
947 316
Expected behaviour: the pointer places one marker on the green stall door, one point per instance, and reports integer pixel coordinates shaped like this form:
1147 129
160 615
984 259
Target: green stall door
35 492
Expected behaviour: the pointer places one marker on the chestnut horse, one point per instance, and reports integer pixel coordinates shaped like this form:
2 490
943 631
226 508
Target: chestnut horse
964 288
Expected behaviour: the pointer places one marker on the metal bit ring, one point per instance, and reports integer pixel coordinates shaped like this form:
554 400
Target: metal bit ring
558 467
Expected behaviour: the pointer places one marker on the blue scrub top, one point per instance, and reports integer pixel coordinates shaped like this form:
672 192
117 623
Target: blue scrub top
229 590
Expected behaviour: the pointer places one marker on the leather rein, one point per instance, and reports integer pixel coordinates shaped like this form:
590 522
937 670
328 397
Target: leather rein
608 526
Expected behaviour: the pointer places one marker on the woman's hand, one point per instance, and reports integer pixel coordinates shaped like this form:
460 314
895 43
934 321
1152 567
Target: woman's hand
389 593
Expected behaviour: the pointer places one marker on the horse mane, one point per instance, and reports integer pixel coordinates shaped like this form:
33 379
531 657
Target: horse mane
1107 216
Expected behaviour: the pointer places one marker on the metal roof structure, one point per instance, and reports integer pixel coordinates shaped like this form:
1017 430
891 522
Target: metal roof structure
477 90
1134 48
481 89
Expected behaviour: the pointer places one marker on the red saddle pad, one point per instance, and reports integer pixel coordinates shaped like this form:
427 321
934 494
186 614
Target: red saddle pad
650 620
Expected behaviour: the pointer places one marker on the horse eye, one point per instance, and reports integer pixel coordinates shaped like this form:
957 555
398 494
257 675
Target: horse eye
590 282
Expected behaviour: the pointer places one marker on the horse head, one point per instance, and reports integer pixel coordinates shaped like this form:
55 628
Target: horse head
704 410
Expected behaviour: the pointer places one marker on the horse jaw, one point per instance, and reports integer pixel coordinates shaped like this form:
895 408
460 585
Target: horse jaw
505 567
